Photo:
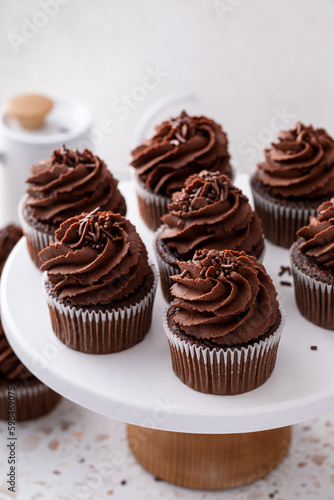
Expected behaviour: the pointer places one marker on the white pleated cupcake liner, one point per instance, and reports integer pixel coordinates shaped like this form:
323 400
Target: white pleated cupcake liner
281 222
151 206
33 399
36 240
101 332
166 270
315 299
224 371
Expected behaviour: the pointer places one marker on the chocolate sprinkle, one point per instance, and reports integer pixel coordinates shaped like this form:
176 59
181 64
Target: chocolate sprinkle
211 186
95 229
285 283
285 269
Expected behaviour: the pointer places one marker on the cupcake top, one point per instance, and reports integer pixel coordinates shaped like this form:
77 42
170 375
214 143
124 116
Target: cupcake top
10 365
181 146
9 236
225 297
300 165
72 182
99 259
318 237
210 213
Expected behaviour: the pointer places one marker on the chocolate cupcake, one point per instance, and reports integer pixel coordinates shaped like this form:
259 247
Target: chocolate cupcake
224 324
208 213
312 260
22 395
297 176
99 284
9 236
182 146
69 184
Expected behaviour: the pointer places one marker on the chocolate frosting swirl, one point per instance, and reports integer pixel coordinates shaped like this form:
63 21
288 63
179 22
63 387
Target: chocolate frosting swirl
69 184
301 164
10 365
9 236
318 236
99 258
225 297
210 213
181 146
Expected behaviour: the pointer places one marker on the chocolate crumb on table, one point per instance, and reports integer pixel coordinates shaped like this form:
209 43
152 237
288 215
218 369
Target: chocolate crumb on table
314 348
285 269
272 495
285 283
123 482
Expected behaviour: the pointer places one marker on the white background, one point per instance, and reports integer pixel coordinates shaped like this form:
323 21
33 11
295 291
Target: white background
255 57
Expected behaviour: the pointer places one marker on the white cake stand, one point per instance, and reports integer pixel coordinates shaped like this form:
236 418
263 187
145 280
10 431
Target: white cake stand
181 435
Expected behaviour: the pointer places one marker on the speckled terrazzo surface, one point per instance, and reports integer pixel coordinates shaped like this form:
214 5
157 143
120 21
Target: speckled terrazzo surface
75 454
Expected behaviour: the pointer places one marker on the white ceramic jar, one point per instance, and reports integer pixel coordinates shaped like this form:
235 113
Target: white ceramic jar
68 123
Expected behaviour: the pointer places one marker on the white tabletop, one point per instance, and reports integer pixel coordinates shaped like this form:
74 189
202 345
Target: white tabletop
75 454
138 385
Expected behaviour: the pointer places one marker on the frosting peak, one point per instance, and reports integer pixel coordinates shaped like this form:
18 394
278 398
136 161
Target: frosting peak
94 230
71 182
181 146
201 190
318 236
210 213
225 297
99 258
301 164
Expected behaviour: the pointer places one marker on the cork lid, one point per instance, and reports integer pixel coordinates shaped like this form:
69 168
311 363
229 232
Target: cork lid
30 110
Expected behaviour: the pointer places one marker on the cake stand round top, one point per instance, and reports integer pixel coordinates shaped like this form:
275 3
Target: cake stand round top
138 385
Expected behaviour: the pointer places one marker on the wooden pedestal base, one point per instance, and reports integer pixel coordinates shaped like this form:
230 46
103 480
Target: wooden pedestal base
209 461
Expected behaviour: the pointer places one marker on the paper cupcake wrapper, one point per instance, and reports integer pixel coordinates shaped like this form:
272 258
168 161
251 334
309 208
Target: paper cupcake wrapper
280 222
33 399
151 206
315 299
36 240
98 332
165 271
224 371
